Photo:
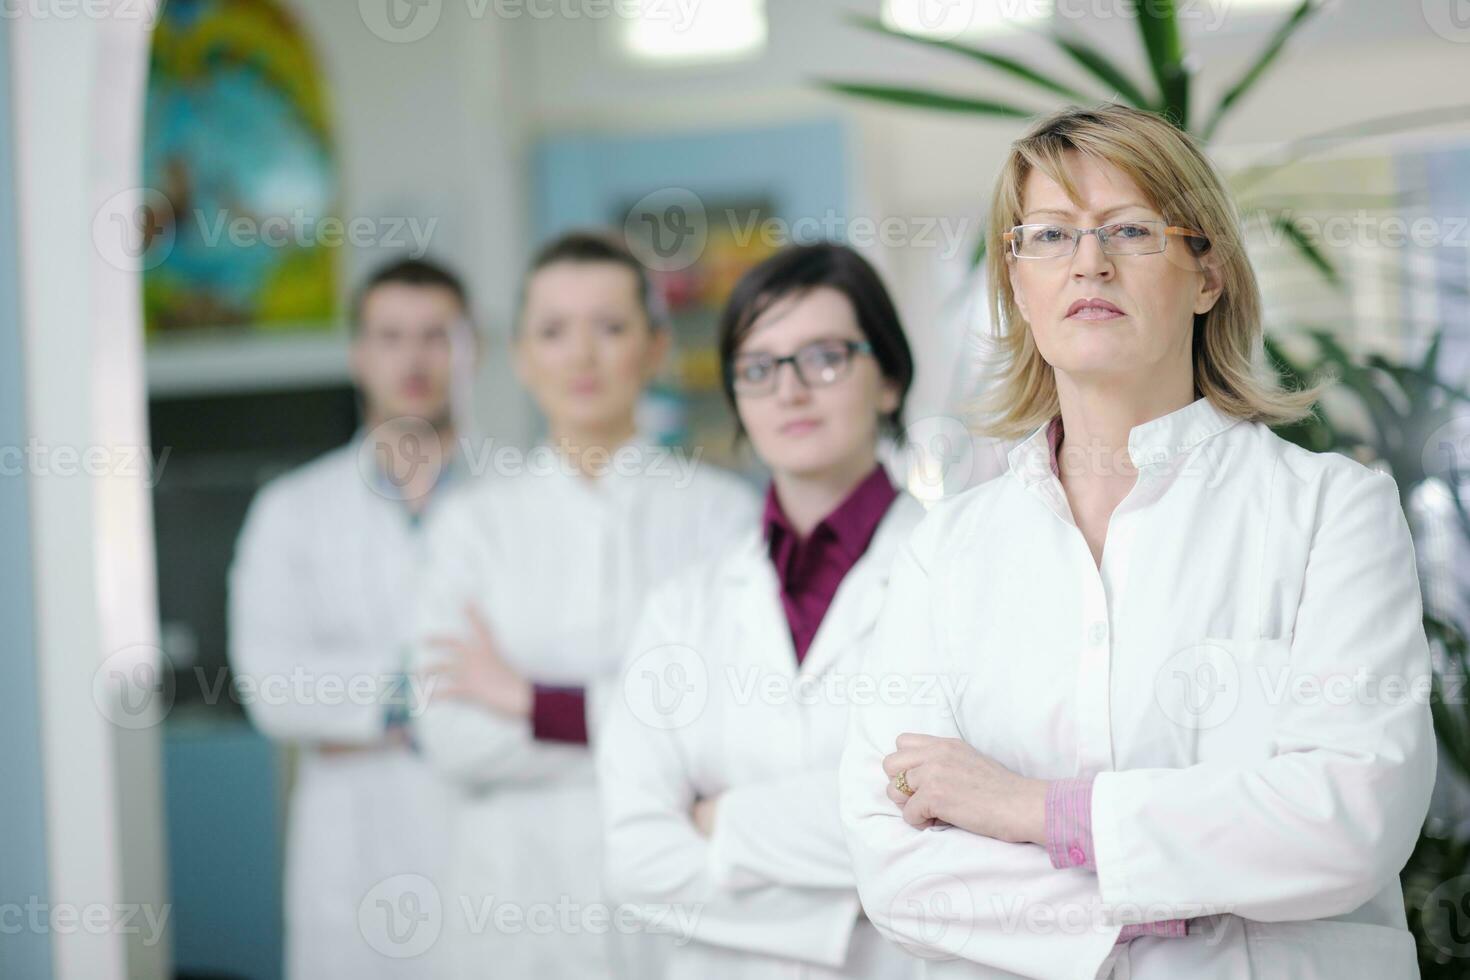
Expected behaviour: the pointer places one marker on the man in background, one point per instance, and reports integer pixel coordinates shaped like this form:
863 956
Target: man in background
320 591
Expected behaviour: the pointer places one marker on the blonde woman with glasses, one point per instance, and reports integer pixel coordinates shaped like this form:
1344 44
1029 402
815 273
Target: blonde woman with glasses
1194 739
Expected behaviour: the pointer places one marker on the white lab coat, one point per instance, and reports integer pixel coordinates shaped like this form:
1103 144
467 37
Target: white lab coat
713 702
1239 571
320 600
560 566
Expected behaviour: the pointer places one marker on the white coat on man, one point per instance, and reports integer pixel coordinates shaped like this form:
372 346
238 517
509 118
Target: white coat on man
320 602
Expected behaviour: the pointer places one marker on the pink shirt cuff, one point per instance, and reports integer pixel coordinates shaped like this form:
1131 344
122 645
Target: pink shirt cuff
559 714
1069 823
1069 845
1168 929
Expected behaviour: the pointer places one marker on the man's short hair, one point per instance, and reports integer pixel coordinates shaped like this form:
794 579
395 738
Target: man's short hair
589 246
409 272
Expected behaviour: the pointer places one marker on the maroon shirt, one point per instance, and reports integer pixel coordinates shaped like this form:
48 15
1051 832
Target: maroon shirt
559 714
810 570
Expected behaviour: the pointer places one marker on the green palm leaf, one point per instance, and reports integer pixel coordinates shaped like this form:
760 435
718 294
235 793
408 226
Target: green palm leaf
1158 26
925 99
1096 64
1010 66
1307 248
1263 61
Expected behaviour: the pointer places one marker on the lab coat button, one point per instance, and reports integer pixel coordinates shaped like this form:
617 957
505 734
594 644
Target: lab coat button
1078 858
1098 633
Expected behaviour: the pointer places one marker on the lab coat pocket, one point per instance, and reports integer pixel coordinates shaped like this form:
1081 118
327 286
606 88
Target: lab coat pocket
1222 695
1330 950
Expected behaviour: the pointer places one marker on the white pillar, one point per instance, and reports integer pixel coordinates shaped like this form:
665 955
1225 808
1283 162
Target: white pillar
78 72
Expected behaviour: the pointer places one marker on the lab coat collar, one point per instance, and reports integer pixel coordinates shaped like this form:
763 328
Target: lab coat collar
854 608
453 471
612 484
859 599
1155 443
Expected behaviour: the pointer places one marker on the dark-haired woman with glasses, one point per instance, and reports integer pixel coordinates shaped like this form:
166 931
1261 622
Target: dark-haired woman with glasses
718 763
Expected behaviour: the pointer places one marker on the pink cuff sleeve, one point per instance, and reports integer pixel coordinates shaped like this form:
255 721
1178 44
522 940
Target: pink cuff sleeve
559 714
1069 823
1069 845
1168 929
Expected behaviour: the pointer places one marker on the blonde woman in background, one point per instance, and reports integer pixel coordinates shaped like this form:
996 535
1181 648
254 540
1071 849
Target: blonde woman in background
530 588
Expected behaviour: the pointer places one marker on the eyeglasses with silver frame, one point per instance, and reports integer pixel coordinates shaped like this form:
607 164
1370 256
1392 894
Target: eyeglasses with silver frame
1138 237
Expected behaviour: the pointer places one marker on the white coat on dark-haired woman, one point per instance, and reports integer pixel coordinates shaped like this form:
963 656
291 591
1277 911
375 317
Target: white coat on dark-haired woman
718 759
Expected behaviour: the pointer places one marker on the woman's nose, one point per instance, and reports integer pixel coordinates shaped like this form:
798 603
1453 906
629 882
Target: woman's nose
789 387
1090 259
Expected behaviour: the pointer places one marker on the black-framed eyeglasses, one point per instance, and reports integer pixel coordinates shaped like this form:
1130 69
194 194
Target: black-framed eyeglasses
1142 237
817 365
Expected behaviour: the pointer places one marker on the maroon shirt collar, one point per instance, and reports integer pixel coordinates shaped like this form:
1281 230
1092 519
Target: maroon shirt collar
852 523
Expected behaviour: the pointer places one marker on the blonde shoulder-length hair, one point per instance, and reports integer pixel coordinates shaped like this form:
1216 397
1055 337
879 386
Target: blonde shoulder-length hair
1182 185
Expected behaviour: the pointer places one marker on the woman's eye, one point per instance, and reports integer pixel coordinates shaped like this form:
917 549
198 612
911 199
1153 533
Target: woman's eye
1132 231
754 371
614 328
1049 235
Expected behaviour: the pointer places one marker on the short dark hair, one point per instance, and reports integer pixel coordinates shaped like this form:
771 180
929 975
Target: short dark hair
799 269
408 272
589 245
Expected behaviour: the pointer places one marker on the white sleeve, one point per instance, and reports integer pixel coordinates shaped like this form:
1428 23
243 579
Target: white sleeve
732 511
1326 823
783 831
465 742
947 892
272 638
658 862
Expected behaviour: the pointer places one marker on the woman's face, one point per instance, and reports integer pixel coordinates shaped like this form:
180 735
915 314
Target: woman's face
1156 295
585 348
808 431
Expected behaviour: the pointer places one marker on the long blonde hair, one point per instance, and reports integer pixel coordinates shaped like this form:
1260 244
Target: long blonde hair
1177 180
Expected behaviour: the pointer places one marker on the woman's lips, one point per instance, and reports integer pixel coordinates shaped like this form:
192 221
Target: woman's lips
1095 313
1093 308
799 427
